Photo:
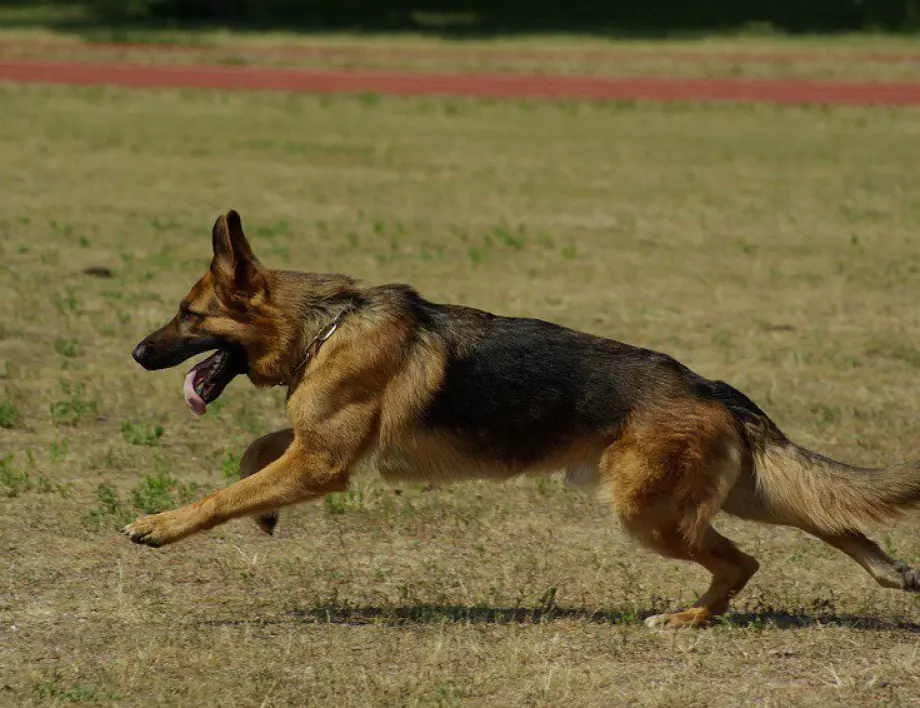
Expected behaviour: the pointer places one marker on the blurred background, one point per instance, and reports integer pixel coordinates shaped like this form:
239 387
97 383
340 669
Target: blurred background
478 17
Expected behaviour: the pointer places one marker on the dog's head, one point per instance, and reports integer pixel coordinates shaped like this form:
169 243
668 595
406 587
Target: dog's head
225 311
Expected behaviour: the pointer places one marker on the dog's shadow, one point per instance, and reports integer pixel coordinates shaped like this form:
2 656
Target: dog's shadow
433 613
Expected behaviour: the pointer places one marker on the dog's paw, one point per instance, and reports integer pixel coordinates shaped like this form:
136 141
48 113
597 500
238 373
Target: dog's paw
910 577
150 531
658 622
679 620
267 523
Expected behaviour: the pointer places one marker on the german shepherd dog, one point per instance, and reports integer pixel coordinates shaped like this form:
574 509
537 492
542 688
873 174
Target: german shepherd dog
434 393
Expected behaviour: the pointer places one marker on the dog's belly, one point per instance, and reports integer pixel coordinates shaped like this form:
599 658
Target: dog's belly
434 459
438 459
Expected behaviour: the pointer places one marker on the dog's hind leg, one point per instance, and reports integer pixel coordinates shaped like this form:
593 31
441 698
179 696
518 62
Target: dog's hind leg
261 453
731 569
669 474
886 571
746 502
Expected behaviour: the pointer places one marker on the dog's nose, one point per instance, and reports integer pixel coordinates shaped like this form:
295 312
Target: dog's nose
140 353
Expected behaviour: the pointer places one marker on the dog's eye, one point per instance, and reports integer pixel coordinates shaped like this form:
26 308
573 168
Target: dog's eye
186 315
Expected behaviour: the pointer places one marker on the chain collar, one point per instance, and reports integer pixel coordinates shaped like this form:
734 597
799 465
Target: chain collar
313 347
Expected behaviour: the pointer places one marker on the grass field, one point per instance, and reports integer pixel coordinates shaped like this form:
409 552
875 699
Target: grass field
774 248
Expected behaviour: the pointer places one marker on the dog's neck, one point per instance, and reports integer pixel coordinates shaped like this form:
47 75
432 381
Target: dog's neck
313 347
322 301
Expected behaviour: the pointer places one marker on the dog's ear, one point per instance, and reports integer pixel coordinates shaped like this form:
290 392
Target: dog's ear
235 267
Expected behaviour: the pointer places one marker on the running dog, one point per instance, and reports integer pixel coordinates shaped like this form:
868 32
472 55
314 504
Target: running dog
435 393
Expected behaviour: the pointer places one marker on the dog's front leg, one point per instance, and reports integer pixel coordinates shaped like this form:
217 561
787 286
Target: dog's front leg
301 473
260 454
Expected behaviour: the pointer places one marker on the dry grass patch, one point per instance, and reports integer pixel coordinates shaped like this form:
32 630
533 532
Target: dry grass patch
773 248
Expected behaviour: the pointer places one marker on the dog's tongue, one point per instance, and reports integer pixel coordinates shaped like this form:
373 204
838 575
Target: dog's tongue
192 399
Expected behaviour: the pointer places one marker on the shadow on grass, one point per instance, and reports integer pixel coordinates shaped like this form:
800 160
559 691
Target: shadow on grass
433 613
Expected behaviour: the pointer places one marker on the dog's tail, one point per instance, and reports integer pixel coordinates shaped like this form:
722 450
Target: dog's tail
797 487
815 492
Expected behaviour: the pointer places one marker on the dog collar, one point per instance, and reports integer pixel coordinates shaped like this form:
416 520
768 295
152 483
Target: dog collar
313 347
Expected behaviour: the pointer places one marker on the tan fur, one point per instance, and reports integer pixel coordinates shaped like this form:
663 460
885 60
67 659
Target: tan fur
676 464
668 475
816 493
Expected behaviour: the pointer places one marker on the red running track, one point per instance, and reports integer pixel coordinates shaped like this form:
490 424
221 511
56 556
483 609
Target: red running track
484 85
